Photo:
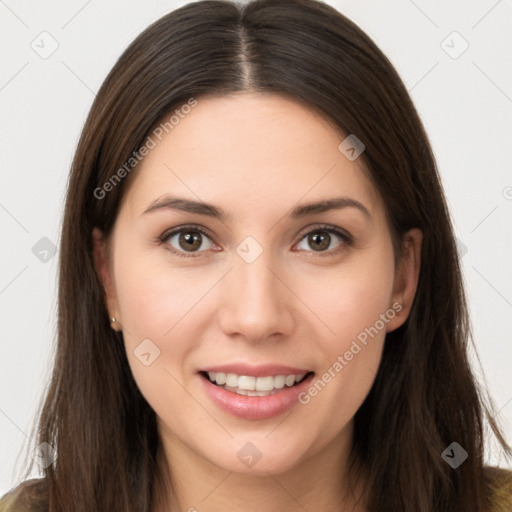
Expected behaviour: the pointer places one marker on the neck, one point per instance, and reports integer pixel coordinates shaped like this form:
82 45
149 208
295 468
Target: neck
189 482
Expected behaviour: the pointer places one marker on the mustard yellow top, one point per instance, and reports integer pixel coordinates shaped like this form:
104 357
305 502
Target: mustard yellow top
20 499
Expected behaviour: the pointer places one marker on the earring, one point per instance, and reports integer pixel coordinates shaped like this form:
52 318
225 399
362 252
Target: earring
115 324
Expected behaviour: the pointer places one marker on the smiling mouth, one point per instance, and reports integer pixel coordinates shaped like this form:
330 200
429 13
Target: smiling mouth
254 386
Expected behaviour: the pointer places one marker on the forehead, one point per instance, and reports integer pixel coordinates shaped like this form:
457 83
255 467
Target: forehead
249 150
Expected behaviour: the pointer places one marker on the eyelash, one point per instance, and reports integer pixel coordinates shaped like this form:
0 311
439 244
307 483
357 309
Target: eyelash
347 239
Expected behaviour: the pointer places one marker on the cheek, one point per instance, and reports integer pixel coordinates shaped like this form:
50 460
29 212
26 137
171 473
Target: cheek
355 304
149 303
153 296
157 304
351 297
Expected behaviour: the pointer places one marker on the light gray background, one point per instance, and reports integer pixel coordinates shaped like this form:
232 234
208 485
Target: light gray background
465 103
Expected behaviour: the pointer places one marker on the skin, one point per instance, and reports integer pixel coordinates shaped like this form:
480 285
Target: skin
256 156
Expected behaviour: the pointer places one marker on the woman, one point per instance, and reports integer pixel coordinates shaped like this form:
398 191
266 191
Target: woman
260 302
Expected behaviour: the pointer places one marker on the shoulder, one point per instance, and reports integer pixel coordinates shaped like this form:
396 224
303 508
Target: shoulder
29 496
499 485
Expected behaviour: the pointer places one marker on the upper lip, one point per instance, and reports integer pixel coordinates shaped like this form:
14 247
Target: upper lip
264 370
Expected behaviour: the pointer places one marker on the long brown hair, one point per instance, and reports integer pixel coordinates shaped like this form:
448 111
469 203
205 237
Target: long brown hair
425 395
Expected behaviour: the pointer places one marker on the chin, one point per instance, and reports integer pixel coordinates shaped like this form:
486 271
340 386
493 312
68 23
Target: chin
258 457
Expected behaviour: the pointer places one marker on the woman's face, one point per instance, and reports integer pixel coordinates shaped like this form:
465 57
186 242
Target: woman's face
269 289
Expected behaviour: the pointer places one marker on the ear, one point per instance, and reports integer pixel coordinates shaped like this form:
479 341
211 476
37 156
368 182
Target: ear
101 264
406 278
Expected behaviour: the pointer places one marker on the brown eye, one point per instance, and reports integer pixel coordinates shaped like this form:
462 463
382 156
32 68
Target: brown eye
187 240
320 240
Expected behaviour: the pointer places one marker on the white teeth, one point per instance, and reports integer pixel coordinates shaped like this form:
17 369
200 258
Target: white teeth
231 380
265 383
253 386
248 383
280 381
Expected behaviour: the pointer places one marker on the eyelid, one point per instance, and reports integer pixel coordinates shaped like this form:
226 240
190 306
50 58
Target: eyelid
325 227
343 234
192 227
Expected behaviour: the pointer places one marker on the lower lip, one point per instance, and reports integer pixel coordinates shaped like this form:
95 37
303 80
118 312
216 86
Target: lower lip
255 407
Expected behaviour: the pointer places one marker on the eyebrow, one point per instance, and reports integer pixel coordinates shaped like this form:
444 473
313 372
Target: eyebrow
168 202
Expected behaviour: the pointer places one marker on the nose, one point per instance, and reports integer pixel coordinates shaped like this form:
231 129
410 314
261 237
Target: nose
256 302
